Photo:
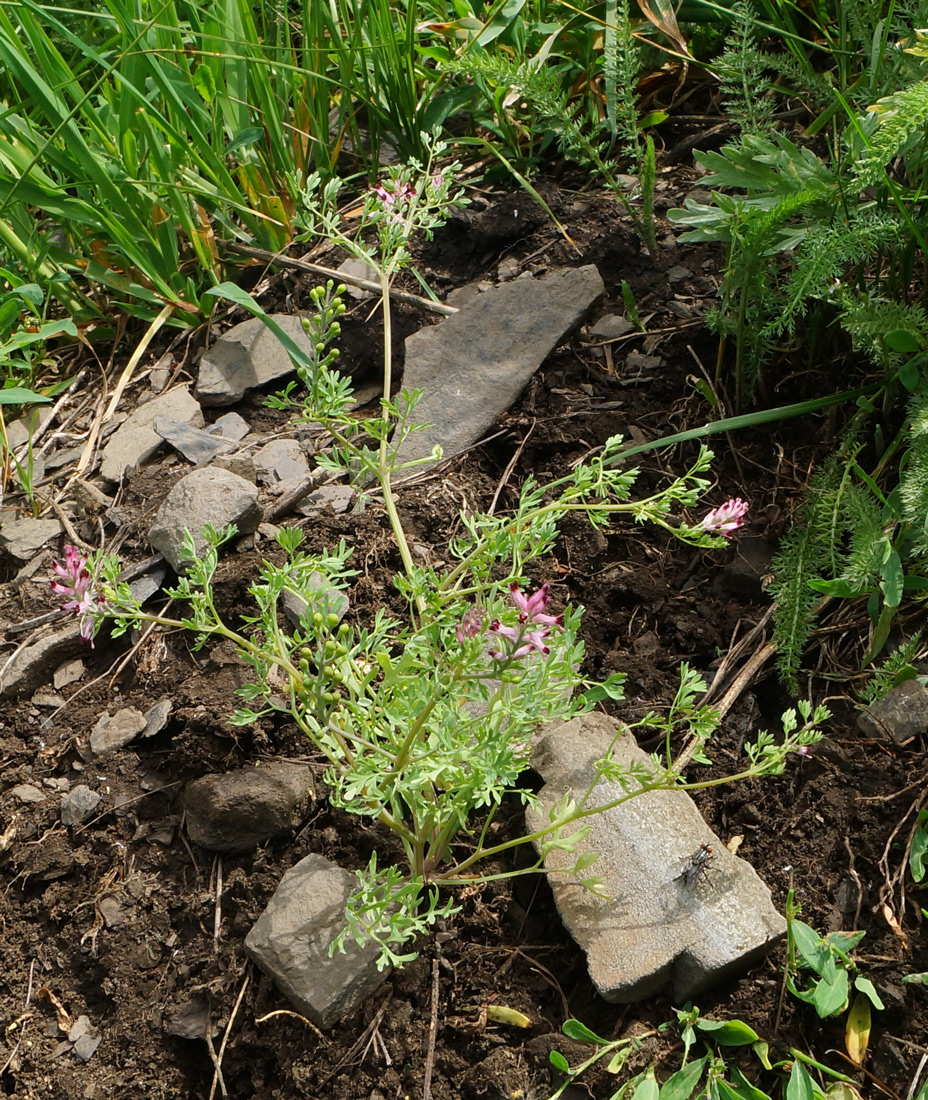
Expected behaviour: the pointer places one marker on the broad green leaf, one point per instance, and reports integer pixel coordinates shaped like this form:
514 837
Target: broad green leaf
559 1061
727 1033
902 340
809 944
647 1088
580 1033
830 998
680 1085
799 1086
865 986
17 395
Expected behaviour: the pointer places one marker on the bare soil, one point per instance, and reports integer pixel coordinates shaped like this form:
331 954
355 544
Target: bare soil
123 921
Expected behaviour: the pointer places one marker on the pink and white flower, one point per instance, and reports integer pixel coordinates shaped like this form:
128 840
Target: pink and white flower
726 519
532 612
75 581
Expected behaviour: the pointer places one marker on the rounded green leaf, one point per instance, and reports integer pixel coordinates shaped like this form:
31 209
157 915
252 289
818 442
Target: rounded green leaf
580 1033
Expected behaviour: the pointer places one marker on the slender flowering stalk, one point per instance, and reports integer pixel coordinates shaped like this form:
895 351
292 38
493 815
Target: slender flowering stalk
727 518
75 581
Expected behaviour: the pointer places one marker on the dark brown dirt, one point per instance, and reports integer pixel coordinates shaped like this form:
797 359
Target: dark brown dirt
825 828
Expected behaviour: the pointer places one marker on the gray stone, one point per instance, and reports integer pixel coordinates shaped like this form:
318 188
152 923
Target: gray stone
47 699
136 440
68 672
144 587
114 732
354 268
325 599
658 925
156 717
636 361
246 356
242 809
30 667
22 430
203 496
678 273
230 426
280 460
78 805
474 364
23 538
290 942
611 327
25 792
194 444
336 497
899 716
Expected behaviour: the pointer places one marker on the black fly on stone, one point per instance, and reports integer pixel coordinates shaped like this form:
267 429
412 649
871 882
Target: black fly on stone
697 866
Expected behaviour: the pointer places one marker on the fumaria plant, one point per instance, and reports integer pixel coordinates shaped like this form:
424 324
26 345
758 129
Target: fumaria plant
426 719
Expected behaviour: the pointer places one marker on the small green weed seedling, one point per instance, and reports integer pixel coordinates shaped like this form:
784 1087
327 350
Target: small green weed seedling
836 977
718 1074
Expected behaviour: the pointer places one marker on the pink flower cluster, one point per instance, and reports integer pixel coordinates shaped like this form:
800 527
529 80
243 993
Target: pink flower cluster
727 518
76 582
532 613
395 201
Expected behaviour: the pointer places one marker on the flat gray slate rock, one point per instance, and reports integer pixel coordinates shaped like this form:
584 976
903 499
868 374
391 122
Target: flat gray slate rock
246 356
136 440
473 365
658 926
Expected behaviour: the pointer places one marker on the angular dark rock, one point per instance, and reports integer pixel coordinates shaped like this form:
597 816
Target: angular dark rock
290 942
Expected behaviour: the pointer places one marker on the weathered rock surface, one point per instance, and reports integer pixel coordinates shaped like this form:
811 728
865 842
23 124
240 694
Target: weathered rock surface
246 356
33 665
136 440
658 926
336 497
194 444
79 805
899 716
238 811
22 538
156 717
203 496
475 364
290 942
280 460
113 732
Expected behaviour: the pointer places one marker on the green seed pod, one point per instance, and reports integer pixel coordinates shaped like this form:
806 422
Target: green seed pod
330 645
329 697
317 618
343 630
333 621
